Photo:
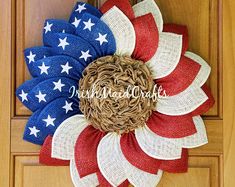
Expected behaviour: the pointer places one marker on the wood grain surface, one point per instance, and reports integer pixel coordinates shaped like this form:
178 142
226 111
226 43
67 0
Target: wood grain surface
229 91
211 26
5 90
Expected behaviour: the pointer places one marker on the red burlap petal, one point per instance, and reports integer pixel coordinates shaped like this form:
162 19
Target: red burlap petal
182 76
86 149
171 126
176 166
136 156
123 5
147 37
178 29
104 183
207 104
45 155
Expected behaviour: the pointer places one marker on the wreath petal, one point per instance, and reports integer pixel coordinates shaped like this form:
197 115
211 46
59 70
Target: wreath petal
123 5
45 155
156 146
104 182
85 151
58 26
59 65
146 37
197 139
80 8
207 104
65 137
182 103
149 6
122 29
167 55
110 161
46 120
181 30
205 70
185 73
171 126
71 45
100 36
136 156
89 180
176 166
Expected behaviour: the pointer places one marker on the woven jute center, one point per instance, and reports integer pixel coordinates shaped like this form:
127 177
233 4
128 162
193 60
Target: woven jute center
103 94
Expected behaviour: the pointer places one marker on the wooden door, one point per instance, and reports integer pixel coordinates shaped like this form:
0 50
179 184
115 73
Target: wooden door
211 29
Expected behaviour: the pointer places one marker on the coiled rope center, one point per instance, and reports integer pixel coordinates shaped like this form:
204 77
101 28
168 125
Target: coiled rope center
113 94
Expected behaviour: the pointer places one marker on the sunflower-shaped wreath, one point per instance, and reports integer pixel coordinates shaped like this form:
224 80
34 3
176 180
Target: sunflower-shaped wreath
130 136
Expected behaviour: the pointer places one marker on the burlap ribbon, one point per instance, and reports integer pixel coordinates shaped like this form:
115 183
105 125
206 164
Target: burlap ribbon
103 98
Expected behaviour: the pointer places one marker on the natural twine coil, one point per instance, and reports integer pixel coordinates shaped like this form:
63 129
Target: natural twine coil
116 74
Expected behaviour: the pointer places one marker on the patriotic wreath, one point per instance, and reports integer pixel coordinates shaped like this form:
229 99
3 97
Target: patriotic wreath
110 141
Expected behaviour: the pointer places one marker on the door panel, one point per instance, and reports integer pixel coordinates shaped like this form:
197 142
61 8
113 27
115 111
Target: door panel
29 173
203 18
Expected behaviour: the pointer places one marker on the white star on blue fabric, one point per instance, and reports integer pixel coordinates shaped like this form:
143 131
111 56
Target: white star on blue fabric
23 96
63 31
31 57
102 38
34 131
58 85
41 97
68 106
43 68
76 22
85 55
63 43
80 8
88 24
49 121
48 27
66 68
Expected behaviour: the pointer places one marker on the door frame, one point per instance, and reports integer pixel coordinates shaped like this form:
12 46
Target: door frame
6 58
5 90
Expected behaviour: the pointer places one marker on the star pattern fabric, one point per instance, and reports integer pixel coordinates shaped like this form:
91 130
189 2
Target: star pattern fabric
48 27
102 38
31 57
85 55
66 68
33 131
88 25
23 96
80 8
44 68
76 22
53 60
49 121
41 97
63 43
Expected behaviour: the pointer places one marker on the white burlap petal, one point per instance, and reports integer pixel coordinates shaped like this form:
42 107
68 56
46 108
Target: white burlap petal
204 72
137 177
167 55
65 137
149 6
109 160
182 103
122 29
89 180
156 146
197 139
